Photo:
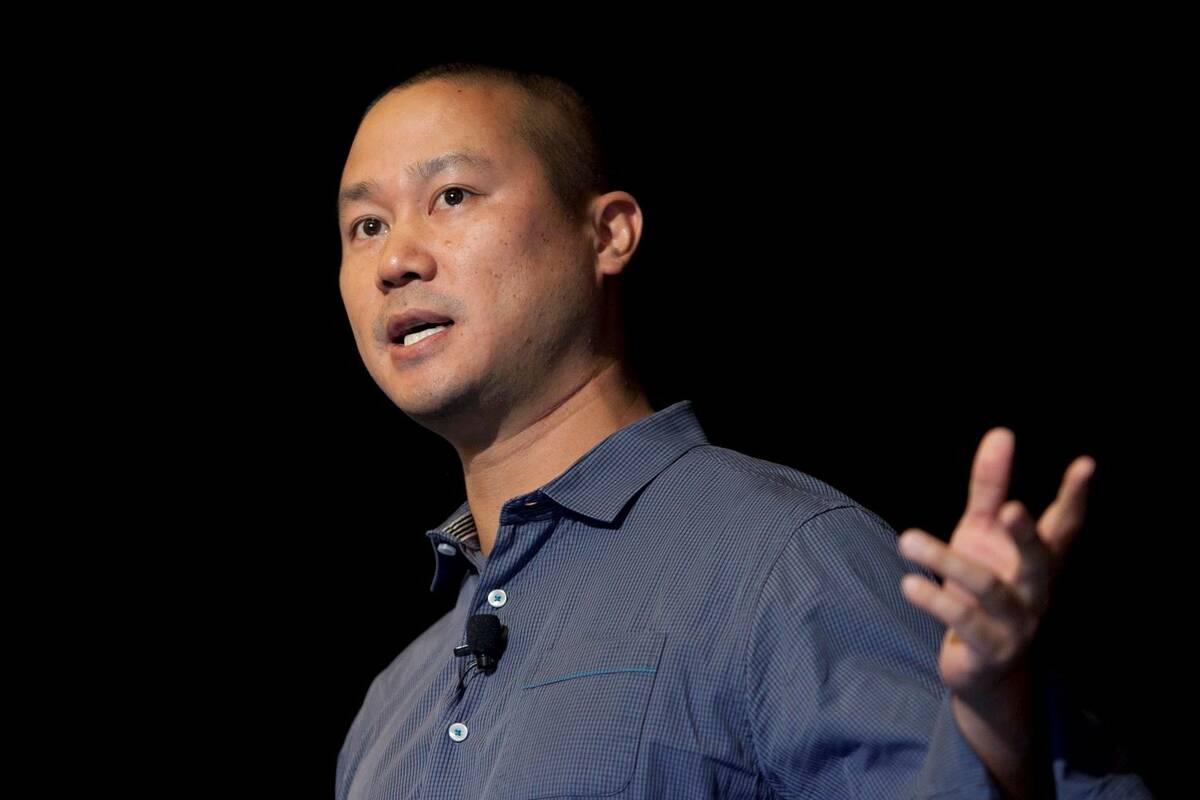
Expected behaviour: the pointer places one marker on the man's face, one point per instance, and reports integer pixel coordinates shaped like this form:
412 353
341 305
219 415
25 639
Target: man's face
485 245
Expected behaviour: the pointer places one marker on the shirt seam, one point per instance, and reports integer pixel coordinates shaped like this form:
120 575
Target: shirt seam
845 501
767 476
958 790
749 629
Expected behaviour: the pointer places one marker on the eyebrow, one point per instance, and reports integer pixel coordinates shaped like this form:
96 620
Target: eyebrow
419 170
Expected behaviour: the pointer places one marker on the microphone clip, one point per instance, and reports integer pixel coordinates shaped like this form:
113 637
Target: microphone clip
486 641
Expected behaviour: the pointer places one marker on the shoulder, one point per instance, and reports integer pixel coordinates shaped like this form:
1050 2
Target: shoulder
746 519
392 687
800 544
420 655
733 485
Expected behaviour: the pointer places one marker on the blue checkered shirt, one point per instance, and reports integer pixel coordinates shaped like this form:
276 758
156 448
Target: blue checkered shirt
684 621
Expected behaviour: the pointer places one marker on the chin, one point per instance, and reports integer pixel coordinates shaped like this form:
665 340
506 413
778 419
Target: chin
430 409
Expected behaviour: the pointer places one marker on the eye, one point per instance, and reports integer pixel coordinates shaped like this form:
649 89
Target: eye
455 196
455 192
375 221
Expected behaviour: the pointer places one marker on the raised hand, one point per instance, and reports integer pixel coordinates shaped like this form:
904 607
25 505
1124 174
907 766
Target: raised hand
997 569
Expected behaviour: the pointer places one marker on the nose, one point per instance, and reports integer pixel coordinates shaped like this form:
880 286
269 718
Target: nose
403 261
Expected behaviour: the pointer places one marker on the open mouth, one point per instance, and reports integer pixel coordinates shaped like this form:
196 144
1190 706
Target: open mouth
419 332
414 325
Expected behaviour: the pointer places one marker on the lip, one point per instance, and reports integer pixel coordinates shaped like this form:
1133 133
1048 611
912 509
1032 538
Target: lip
428 346
398 323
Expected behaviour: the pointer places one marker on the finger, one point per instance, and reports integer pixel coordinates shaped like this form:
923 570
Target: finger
1032 578
1016 520
915 543
963 618
990 473
1063 518
987 589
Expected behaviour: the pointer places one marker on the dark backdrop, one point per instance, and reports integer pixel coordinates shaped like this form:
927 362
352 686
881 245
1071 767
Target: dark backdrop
853 263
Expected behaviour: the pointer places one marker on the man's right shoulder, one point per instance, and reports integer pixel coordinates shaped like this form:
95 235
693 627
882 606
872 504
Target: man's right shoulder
408 670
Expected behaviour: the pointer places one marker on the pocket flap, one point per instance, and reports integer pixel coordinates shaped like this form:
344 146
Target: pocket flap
576 724
591 656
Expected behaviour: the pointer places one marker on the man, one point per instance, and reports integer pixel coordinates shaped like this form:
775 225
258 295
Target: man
680 620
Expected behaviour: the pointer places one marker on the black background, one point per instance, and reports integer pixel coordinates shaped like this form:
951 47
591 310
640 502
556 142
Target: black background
918 239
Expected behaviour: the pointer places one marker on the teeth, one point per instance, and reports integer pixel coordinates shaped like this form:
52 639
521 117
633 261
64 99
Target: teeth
413 338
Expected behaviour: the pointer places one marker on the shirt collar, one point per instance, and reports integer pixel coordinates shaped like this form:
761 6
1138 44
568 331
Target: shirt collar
602 481
599 484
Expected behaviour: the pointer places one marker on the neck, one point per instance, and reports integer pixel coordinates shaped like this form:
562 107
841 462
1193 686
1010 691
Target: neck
555 436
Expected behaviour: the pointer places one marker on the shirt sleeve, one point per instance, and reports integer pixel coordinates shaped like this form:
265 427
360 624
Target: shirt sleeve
362 729
843 690
348 756
1088 759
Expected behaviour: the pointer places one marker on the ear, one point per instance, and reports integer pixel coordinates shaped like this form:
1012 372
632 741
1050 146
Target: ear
616 225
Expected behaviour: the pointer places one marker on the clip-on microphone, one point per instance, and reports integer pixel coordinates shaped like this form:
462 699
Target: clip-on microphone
486 640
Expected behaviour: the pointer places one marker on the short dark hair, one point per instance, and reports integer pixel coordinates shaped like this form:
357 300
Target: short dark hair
554 120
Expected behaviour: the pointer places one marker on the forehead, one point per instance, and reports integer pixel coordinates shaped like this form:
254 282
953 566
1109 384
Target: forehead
433 118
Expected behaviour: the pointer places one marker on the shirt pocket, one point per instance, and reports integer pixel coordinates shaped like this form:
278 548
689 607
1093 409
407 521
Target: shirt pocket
579 715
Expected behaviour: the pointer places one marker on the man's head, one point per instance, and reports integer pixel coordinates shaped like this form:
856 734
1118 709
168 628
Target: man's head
472 197
550 117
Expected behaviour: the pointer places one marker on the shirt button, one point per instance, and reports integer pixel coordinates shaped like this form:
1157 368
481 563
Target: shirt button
532 503
458 731
446 549
497 598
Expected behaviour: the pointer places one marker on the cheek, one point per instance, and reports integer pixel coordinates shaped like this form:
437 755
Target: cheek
345 289
506 258
357 315
526 273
